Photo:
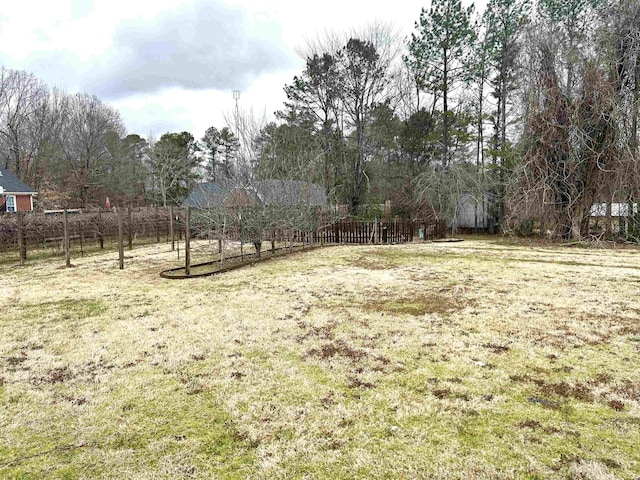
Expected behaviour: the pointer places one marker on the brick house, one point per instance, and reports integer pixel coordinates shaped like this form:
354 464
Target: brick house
15 195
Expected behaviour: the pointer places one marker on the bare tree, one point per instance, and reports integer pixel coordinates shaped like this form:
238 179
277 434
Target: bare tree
173 164
25 118
87 121
258 198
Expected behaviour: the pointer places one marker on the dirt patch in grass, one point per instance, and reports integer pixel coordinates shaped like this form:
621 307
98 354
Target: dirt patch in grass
497 349
373 260
628 389
322 332
337 348
579 391
617 405
356 382
417 305
533 424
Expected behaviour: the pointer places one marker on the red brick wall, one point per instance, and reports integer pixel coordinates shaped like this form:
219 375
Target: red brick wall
23 202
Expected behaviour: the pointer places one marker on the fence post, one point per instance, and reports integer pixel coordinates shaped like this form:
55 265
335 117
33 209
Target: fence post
22 244
65 223
155 222
173 238
82 239
129 228
241 240
99 230
187 243
120 239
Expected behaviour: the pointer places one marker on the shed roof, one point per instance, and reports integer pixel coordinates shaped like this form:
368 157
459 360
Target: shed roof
12 184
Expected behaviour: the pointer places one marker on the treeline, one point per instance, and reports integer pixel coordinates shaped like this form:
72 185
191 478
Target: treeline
63 145
533 105
74 151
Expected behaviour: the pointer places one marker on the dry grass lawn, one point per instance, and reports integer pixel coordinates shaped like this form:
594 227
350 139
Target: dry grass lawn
480 359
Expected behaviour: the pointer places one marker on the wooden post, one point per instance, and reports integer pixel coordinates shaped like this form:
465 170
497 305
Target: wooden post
173 237
187 243
241 240
155 221
376 234
82 239
65 223
100 231
168 229
129 228
120 239
22 244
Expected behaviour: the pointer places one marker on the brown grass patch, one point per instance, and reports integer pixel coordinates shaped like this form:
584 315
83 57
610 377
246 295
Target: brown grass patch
496 348
356 382
629 389
533 424
417 305
323 332
337 348
578 391
617 405
372 262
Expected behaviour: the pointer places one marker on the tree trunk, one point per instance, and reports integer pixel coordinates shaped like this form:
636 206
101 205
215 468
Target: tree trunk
445 108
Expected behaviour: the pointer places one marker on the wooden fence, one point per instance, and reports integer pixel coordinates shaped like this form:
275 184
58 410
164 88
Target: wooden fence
380 232
82 229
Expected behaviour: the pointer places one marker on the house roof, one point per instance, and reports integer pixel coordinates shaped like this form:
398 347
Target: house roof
269 192
291 192
12 184
209 194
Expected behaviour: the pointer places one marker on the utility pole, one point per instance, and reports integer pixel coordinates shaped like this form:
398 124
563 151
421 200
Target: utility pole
236 97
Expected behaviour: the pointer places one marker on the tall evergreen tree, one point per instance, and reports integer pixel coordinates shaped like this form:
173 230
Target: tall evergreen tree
440 53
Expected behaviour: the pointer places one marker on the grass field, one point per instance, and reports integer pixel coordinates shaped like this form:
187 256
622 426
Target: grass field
480 359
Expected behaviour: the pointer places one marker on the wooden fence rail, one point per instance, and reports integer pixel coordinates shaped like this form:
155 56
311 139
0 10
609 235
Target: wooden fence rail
33 231
59 231
380 232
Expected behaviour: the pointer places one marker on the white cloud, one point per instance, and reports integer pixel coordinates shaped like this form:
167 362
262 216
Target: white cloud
171 65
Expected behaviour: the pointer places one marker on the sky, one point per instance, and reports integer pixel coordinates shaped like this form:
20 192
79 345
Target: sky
172 65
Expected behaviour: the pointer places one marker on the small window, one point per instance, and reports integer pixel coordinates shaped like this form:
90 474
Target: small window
11 203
